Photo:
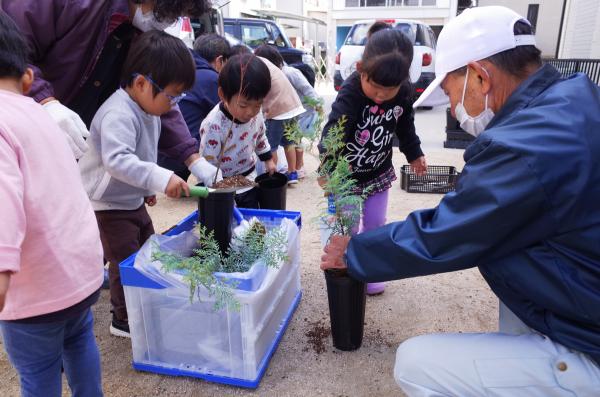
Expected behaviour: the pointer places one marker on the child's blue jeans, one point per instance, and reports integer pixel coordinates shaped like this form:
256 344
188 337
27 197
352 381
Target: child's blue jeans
38 351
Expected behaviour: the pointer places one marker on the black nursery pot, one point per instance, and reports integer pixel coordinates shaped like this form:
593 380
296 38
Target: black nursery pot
347 298
272 191
215 212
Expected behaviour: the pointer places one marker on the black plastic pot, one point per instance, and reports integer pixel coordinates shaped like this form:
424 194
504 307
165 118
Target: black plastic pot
272 191
347 298
215 212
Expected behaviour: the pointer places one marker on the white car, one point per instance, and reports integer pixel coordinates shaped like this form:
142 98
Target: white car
422 69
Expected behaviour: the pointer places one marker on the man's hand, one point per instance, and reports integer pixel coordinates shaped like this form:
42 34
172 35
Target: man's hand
71 124
334 253
419 166
176 187
270 166
322 181
150 200
4 281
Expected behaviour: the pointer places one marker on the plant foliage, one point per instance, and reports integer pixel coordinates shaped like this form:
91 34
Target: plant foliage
339 187
199 269
292 130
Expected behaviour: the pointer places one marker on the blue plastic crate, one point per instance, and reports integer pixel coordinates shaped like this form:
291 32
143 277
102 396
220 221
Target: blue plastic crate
164 325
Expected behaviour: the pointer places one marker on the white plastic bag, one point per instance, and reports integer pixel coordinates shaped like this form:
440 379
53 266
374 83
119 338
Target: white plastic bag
184 244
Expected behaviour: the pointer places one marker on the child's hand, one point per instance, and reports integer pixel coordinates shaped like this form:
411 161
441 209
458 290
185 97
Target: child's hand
4 281
419 166
150 200
270 166
176 187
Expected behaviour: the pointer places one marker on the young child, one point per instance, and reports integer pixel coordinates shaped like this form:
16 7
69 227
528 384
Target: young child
235 129
376 100
293 152
210 54
50 251
120 171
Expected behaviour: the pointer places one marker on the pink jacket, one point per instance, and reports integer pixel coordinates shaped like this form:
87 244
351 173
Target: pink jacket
49 238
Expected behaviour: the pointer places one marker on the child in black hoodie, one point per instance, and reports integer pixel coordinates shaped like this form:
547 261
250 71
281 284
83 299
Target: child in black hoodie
376 100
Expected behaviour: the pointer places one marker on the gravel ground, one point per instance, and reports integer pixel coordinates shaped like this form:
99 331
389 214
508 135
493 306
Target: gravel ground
305 363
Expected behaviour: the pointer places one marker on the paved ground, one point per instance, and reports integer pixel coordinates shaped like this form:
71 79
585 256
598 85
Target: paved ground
453 302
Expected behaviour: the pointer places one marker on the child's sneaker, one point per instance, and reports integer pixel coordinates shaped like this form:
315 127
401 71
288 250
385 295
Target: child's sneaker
301 173
119 328
292 178
375 288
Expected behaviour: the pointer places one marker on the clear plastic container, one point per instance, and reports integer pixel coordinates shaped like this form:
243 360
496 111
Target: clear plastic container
171 335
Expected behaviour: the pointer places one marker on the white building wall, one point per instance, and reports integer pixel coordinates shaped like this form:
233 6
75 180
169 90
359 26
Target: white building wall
548 22
293 28
581 30
235 8
436 15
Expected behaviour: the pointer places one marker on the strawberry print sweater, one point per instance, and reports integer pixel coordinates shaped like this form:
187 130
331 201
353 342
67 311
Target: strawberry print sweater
244 141
371 127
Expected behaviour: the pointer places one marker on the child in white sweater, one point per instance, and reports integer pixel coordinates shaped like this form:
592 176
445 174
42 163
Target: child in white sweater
234 131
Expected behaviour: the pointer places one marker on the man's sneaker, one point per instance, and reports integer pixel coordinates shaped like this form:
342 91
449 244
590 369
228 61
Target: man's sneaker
301 173
292 178
119 328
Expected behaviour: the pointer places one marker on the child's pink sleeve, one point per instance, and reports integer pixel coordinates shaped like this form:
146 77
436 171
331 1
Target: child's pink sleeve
12 211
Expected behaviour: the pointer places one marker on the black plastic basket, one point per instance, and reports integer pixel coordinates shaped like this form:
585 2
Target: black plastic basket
438 179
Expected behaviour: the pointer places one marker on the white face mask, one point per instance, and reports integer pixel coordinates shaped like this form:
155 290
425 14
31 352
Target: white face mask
473 125
146 21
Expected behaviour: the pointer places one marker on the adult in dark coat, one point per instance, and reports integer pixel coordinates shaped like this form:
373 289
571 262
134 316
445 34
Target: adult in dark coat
525 212
77 50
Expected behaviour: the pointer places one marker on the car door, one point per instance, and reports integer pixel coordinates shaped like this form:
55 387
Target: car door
279 40
232 29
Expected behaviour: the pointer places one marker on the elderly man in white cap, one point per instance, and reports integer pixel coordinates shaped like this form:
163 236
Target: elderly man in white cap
525 211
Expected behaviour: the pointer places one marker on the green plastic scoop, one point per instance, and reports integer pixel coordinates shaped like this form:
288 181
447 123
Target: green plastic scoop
203 192
197 191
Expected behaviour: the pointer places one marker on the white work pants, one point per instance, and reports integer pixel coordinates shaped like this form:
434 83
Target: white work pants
513 362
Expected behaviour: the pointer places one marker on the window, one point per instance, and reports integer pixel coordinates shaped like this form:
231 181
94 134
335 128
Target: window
423 36
432 38
375 3
279 39
230 29
409 30
254 35
358 34
391 3
532 15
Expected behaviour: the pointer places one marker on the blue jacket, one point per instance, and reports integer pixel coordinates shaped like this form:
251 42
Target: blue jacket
202 98
526 211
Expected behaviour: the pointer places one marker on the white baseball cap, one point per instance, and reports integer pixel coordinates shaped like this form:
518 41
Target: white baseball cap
476 34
